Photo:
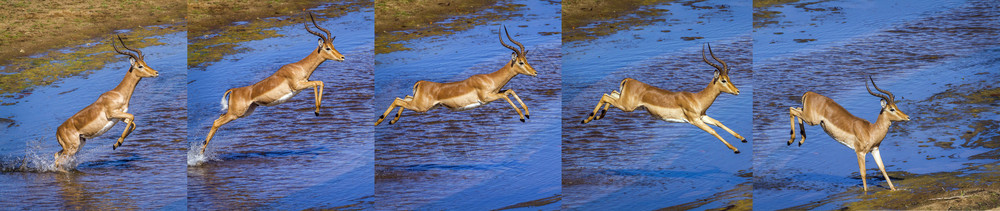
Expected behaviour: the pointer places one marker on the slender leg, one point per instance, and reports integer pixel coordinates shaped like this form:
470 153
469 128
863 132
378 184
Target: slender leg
223 119
527 114
130 125
878 160
712 121
504 96
398 114
318 91
391 106
700 124
802 128
605 100
791 119
861 165
614 94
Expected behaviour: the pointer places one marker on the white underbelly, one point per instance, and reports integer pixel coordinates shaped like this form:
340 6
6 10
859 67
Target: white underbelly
283 98
469 106
675 120
107 126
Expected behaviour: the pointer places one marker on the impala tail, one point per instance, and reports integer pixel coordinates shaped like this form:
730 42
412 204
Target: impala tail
225 100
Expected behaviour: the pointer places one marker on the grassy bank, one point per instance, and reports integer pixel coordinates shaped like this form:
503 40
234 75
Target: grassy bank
609 17
213 33
32 27
401 20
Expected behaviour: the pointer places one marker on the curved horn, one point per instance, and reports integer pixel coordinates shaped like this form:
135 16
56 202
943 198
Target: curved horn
706 59
888 99
892 98
725 68
328 36
139 55
129 54
521 52
317 26
505 44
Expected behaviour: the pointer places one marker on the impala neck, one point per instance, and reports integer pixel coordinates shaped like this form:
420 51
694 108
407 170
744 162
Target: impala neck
503 75
880 127
311 62
707 96
127 86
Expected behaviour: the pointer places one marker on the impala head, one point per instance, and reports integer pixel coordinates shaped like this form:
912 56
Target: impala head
721 79
518 61
325 49
888 103
136 58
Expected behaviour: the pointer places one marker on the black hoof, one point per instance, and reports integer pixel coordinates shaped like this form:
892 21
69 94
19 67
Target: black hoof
744 140
390 122
527 116
800 144
316 113
522 120
591 114
736 152
603 112
789 143
583 121
114 147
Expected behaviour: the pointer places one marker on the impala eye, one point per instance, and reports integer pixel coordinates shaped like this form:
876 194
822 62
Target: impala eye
328 49
140 66
892 110
521 63
723 81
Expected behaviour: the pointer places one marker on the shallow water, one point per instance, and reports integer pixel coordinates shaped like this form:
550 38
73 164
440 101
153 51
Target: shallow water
919 52
144 173
284 157
634 161
484 157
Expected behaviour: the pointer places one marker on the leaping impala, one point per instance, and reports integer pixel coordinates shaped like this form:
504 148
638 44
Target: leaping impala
110 108
674 106
280 86
855 133
469 93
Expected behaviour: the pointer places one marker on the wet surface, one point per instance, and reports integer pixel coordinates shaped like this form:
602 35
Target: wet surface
921 52
284 157
484 157
144 173
634 161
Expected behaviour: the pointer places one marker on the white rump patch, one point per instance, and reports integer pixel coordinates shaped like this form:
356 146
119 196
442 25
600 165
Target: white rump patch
283 99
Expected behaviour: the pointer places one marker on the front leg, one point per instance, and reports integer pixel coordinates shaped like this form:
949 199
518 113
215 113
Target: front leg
878 160
712 121
527 114
317 91
697 122
129 120
504 96
861 166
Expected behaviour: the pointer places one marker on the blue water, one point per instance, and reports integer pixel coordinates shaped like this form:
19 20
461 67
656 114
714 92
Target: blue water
484 157
144 173
284 157
634 161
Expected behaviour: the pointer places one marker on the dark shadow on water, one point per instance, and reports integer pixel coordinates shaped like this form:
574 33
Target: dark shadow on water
315 151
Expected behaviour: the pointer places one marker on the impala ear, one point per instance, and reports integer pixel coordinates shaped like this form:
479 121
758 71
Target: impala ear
883 102
513 56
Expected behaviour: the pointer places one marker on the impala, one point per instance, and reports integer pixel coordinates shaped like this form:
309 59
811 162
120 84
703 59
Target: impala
671 106
469 93
855 133
280 86
110 108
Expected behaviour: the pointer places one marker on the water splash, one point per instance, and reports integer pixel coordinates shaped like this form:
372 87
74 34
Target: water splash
196 158
35 161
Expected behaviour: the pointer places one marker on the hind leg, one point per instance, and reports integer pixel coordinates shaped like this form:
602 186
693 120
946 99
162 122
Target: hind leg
70 142
605 100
